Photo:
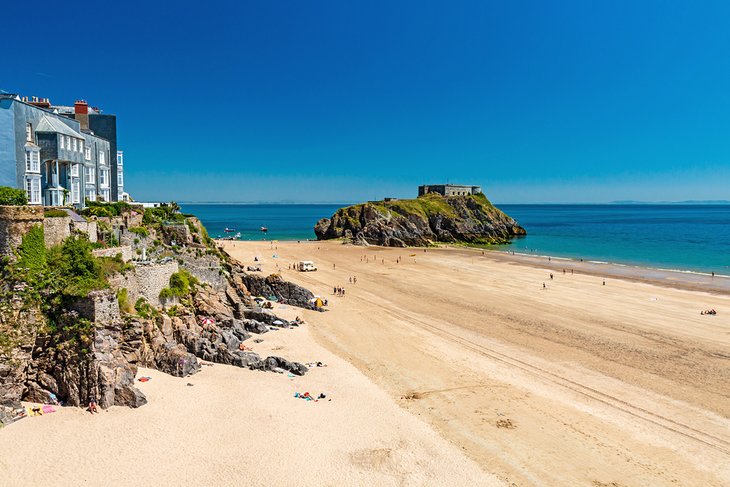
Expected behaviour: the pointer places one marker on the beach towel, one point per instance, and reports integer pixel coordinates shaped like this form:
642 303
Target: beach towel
49 409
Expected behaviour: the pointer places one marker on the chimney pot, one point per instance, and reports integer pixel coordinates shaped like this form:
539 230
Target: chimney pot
81 107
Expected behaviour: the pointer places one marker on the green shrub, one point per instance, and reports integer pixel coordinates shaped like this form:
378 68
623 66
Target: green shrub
12 196
32 253
181 283
54 213
74 268
163 214
141 231
123 299
145 309
100 208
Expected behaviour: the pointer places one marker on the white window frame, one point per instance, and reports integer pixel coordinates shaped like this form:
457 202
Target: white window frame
81 145
28 132
104 177
90 175
74 170
75 144
62 141
76 191
87 153
105 194
32 161
33 190
120 177
90 194
102 158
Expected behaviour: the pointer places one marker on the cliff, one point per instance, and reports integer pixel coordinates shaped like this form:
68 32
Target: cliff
77 325
420 222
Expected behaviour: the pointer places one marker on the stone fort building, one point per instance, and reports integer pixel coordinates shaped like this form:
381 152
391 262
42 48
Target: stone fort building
449 189
60 155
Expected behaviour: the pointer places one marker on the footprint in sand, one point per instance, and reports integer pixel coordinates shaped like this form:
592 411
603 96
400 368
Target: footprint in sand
371 458
506 424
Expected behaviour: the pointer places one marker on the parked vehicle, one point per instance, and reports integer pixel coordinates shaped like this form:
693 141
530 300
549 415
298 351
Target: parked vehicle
306 266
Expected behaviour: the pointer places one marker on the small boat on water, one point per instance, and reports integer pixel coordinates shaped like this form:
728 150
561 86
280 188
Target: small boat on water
264 229
229 230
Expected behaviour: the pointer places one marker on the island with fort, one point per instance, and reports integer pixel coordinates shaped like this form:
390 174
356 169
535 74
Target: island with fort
443 213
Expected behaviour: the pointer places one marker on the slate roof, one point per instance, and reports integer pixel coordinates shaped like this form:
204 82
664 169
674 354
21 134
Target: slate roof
49 124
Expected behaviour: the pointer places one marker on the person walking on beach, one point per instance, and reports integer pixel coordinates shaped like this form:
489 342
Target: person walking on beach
354 280
544 286
551 276
350 279
604 282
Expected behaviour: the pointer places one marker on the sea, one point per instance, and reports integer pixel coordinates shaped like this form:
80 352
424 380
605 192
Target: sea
693 238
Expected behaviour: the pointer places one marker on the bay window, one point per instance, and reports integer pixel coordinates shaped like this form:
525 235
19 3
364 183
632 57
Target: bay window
32 161
33 190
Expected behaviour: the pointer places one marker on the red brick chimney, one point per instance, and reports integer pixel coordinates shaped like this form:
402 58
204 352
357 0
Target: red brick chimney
81 107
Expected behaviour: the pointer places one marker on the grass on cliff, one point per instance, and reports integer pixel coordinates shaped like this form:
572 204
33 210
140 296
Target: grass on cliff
425 206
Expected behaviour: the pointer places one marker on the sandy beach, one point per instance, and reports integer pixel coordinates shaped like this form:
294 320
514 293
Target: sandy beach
233 426
577 383
445 367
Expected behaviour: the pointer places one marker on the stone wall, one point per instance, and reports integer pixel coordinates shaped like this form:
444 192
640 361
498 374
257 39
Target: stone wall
15 223
125 250
56 230
99 306
206 267
177 234
87 227
146 280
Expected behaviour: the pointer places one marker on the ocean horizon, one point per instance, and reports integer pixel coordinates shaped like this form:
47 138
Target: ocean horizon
683 237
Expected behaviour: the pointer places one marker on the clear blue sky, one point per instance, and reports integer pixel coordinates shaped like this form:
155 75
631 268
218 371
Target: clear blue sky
339 101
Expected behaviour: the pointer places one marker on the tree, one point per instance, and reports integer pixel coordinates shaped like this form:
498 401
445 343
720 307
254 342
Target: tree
12 196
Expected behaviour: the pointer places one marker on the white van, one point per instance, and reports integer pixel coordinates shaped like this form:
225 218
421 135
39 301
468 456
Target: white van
306 266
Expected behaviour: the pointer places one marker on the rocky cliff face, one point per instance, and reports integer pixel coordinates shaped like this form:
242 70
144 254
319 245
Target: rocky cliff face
421 222
91 348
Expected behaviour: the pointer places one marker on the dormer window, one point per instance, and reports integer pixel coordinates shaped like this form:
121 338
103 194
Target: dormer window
102 157
81 145
75 145
87 153
61 141
29 132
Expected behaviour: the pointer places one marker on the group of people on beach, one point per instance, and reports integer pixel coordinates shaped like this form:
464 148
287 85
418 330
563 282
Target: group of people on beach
339 291
708 312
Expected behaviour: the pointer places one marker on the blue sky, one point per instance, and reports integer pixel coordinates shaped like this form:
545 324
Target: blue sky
340 101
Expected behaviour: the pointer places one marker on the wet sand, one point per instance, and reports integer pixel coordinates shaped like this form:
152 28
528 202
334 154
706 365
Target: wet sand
576 383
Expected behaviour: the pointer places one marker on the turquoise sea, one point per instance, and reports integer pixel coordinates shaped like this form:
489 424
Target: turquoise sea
683 237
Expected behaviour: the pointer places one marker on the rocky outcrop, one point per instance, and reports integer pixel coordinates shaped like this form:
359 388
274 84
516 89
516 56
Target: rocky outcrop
284 291
421 222
74 374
